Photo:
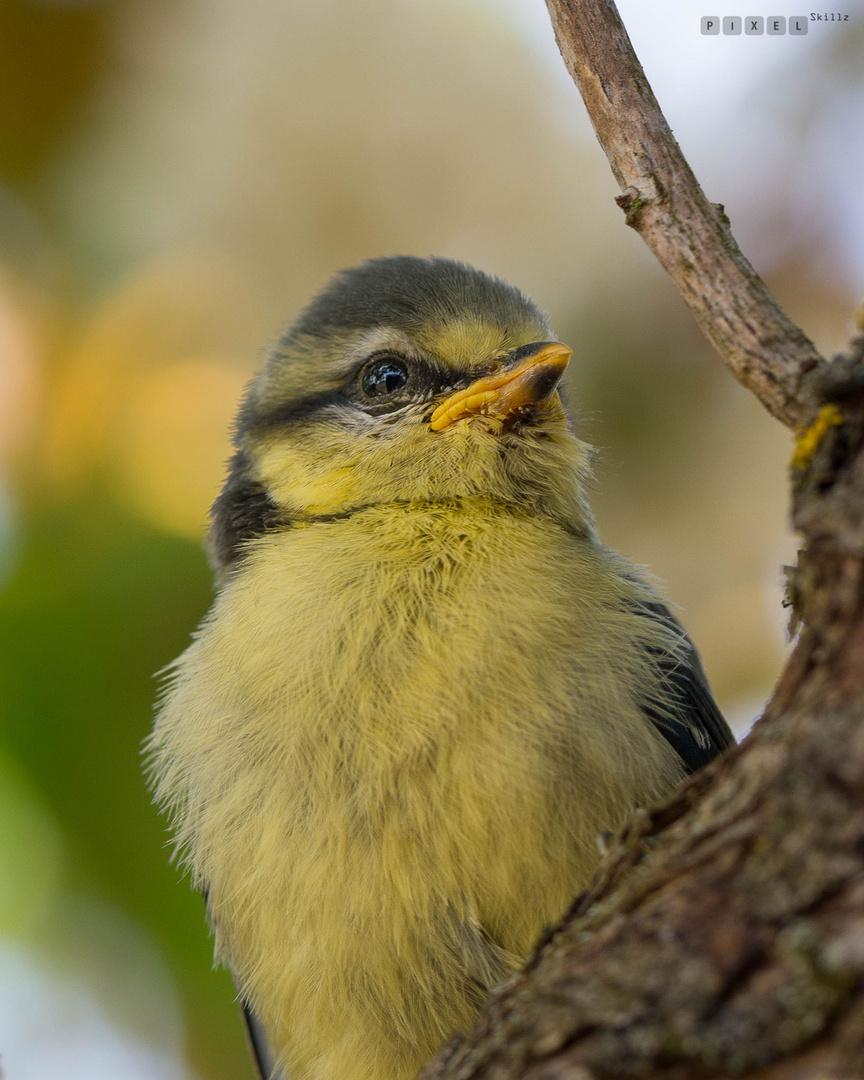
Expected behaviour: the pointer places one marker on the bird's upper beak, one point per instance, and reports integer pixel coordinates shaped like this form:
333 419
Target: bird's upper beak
530 378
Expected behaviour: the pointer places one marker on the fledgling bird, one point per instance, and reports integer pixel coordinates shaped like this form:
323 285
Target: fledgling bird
424 687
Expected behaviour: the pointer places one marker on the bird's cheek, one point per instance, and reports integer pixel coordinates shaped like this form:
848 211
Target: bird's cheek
306 483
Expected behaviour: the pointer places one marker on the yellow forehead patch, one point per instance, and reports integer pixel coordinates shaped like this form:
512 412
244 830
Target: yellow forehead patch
466 342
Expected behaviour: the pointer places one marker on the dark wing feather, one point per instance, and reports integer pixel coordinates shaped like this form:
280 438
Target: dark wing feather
265 1068
701 733
255 1038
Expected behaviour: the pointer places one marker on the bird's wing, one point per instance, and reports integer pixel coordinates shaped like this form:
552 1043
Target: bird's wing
701 733
257 1041
255 1037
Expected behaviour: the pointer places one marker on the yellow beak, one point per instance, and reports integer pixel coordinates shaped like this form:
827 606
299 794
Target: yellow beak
531 381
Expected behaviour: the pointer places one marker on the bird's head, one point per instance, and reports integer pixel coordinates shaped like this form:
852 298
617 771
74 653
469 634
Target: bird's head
405 381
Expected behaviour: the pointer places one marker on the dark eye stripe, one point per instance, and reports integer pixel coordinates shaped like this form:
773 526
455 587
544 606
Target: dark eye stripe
426 381
256 418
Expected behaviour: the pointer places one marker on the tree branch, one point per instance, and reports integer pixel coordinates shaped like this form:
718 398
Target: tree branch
664 203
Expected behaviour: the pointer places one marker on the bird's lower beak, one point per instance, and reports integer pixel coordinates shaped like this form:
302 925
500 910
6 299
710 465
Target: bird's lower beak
531 379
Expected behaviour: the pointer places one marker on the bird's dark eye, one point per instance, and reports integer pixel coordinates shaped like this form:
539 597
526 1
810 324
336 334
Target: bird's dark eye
383 377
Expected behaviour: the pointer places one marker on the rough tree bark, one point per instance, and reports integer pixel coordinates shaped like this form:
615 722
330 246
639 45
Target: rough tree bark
724 934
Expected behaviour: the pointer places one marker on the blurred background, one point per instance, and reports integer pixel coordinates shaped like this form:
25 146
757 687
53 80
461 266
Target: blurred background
176 178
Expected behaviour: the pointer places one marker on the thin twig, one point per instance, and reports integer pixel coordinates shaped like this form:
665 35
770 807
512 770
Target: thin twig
664 203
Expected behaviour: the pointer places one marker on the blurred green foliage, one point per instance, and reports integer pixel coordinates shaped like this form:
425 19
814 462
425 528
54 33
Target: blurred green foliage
96 603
